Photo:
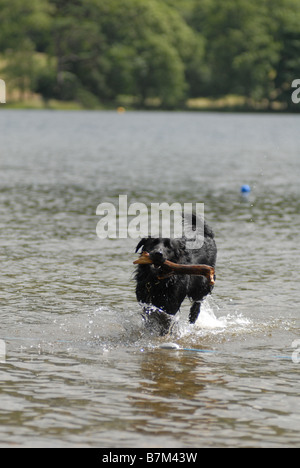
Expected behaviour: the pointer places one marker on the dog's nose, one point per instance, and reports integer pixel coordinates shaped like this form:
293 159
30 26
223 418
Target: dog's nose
157 256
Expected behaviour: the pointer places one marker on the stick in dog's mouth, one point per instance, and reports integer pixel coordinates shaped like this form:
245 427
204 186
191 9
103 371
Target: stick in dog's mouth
178 269
144 259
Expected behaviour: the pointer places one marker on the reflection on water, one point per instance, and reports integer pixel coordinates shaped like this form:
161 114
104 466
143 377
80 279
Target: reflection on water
81 369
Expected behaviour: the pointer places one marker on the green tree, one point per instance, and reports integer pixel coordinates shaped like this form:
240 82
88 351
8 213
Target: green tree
149 47
24 27
159 72
20 20
286 15
94 51
77 46
240 49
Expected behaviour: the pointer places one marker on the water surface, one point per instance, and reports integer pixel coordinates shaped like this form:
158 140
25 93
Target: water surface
80 367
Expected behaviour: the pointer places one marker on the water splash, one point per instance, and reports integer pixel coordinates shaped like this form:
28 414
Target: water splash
211 323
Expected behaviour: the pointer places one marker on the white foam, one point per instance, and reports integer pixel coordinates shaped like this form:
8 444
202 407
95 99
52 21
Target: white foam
207 319
208 323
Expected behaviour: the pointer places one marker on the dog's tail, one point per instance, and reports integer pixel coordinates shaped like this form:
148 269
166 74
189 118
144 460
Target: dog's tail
195 230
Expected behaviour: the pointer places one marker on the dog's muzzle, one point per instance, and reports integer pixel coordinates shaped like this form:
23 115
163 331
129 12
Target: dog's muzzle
171 268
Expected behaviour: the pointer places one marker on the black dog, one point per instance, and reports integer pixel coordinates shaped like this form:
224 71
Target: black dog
168 293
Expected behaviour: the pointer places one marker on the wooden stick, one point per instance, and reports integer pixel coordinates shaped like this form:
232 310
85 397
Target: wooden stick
178 269
144 259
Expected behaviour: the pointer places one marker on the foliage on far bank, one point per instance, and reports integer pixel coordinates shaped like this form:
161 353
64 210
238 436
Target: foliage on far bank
151 52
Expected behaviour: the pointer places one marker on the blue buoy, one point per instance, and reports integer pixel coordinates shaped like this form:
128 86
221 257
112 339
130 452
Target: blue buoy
245 189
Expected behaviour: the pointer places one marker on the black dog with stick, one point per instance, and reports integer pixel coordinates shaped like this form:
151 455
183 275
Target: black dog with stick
169 270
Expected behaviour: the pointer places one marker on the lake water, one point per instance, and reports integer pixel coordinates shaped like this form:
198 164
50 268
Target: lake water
80 369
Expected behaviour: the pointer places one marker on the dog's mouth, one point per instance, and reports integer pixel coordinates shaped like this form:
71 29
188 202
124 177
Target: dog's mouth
166 269
158 269
161 272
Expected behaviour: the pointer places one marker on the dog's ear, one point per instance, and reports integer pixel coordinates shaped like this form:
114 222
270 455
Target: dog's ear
178 246
140 244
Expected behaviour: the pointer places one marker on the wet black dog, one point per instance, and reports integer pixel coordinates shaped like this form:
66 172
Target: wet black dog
162 298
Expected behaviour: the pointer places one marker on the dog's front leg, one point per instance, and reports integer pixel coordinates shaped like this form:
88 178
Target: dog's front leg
194 311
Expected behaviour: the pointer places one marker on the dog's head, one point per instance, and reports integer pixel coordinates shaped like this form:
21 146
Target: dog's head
162 249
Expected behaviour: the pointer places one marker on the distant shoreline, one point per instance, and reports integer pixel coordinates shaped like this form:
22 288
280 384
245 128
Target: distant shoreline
230 103
73 106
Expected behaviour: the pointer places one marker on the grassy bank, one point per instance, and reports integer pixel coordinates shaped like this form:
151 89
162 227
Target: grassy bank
229 103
